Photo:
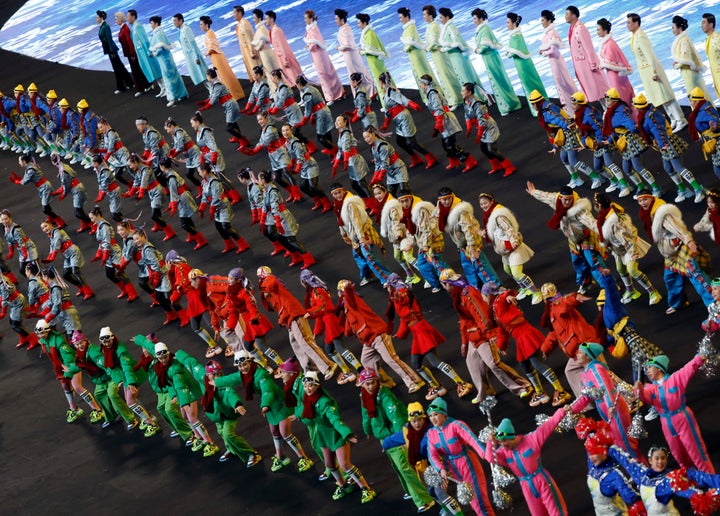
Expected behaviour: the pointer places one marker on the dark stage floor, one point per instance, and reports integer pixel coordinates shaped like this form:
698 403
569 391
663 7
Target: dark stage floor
48 466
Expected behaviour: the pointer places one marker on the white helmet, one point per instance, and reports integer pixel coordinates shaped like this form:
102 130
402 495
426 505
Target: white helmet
105 331
42 326
242 356
161 348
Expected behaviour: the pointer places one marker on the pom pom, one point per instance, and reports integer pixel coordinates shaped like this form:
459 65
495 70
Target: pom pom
487 404
501 500
567 423
465 493
704 503
485 434
584 427
432 477
502 477
541 418
679 480
594 393
637 429
708 351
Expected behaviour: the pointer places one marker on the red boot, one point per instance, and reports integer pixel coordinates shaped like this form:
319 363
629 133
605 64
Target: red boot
123 292
189 238
297 259
59 222
23 342
509 167
184 319
415 160
330 152
311 147
431 160
242 245
326 204
83 226
33 341
169 233
453 163
131 292
317 204
155 301
308 261
156 227
277 248
470 163
199 240
229 246
87 293
235 196
170 317
295 194
496 166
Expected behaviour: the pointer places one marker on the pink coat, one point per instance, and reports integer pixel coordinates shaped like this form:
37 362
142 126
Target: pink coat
353 60
539 488
290 66
550 48
616 65
329 81
585 60
680 428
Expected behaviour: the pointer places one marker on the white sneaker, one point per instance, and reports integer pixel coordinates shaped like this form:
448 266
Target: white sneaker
680 197
172 103
427 285
597 183
522 294
682 124
624 192
699 196
537 298
611 188
137 94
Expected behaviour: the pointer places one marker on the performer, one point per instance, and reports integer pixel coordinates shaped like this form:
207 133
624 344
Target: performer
453 44
568 329
329 80
245 35
183 203
284 99
33 174
588 68
352 161
259 94
87 136
443 66
17 240
521 454
196 292
550 48
573 216
351 54
686 58
395 231
126 42
371 330
219 61
148 64
156 148
511 322
652 126
107 187
220 95
70 184
262 45
357 231
373 50
501 229
613 61
618 235
123 80
194 60
16 304
389 167
308 168
288 62
383 414
488 46
477 334
455 217
712 48
160 47
413 47
667 394
518 51
145 183
655 82
316 111
704 120
454 449
182 143
114 152
684 258
73 259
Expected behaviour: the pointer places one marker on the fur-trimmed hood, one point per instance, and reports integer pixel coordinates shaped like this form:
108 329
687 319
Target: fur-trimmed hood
663 211
456 212
389 206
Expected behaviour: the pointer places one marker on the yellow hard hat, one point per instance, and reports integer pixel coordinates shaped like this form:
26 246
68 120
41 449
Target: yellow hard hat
697 94
415 410
548 290
83 104
19 88
32 88
195 273
64 103
640 101
536 96
579 98
343 284
51 94
612 94
449 274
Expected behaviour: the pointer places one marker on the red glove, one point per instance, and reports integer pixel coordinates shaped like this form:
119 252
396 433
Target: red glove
479 135
247 109
11 252
414 106
213 210
24 253
439 126
354 116
202 208
173 208
312 119
51 257
14 178
172 153
105 256
213 157
155 278
255 110
278 225
100 196
274 110
378 176
97 256
57 192
469 124
385 125
141 193
298 167
204 104
123 264
129 193
251 151
335 167
302 122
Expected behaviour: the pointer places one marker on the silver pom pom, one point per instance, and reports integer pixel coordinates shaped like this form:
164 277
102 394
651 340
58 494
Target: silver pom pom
487 404
501 500
502 477
465 493
707 350
637 430
486 433
594 393
432 477
567 423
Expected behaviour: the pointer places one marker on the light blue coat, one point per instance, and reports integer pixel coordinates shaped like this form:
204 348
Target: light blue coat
148 63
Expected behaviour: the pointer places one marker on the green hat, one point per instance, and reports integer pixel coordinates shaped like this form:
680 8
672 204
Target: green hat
715 282
505 430
438 405
662 362
592 349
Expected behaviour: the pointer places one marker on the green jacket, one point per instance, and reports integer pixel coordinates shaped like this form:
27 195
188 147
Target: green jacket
326 429
105 37
390 418
271 395
94 355
56 340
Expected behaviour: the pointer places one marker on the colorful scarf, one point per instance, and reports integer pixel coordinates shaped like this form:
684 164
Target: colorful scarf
486 216
443 212
694 134
290 399
161 371
309 401
110 358
413 442
369 402
560 212
646 216
247 379
715 219
640 125
607 129
209 396
85 364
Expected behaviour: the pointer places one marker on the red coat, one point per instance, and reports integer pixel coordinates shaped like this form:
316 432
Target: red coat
241 303
474 315
512 323
216 292
126 42
197 298
425 337
320 307
569 327
360 320
178 276
277 298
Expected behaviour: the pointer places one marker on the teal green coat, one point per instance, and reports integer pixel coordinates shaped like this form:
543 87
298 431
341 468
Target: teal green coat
271 395
390 418
123 372
94 355
326 428
56 340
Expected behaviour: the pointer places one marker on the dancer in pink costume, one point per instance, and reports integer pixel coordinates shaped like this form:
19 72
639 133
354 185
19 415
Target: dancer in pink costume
614 62
290 66
329 81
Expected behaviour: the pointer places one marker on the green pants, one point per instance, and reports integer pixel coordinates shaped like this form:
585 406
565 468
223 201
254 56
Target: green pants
408 476
118 403
170 412
233 442
101 395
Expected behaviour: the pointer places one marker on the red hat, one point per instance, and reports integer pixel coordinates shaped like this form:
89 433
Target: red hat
594 445
585 426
